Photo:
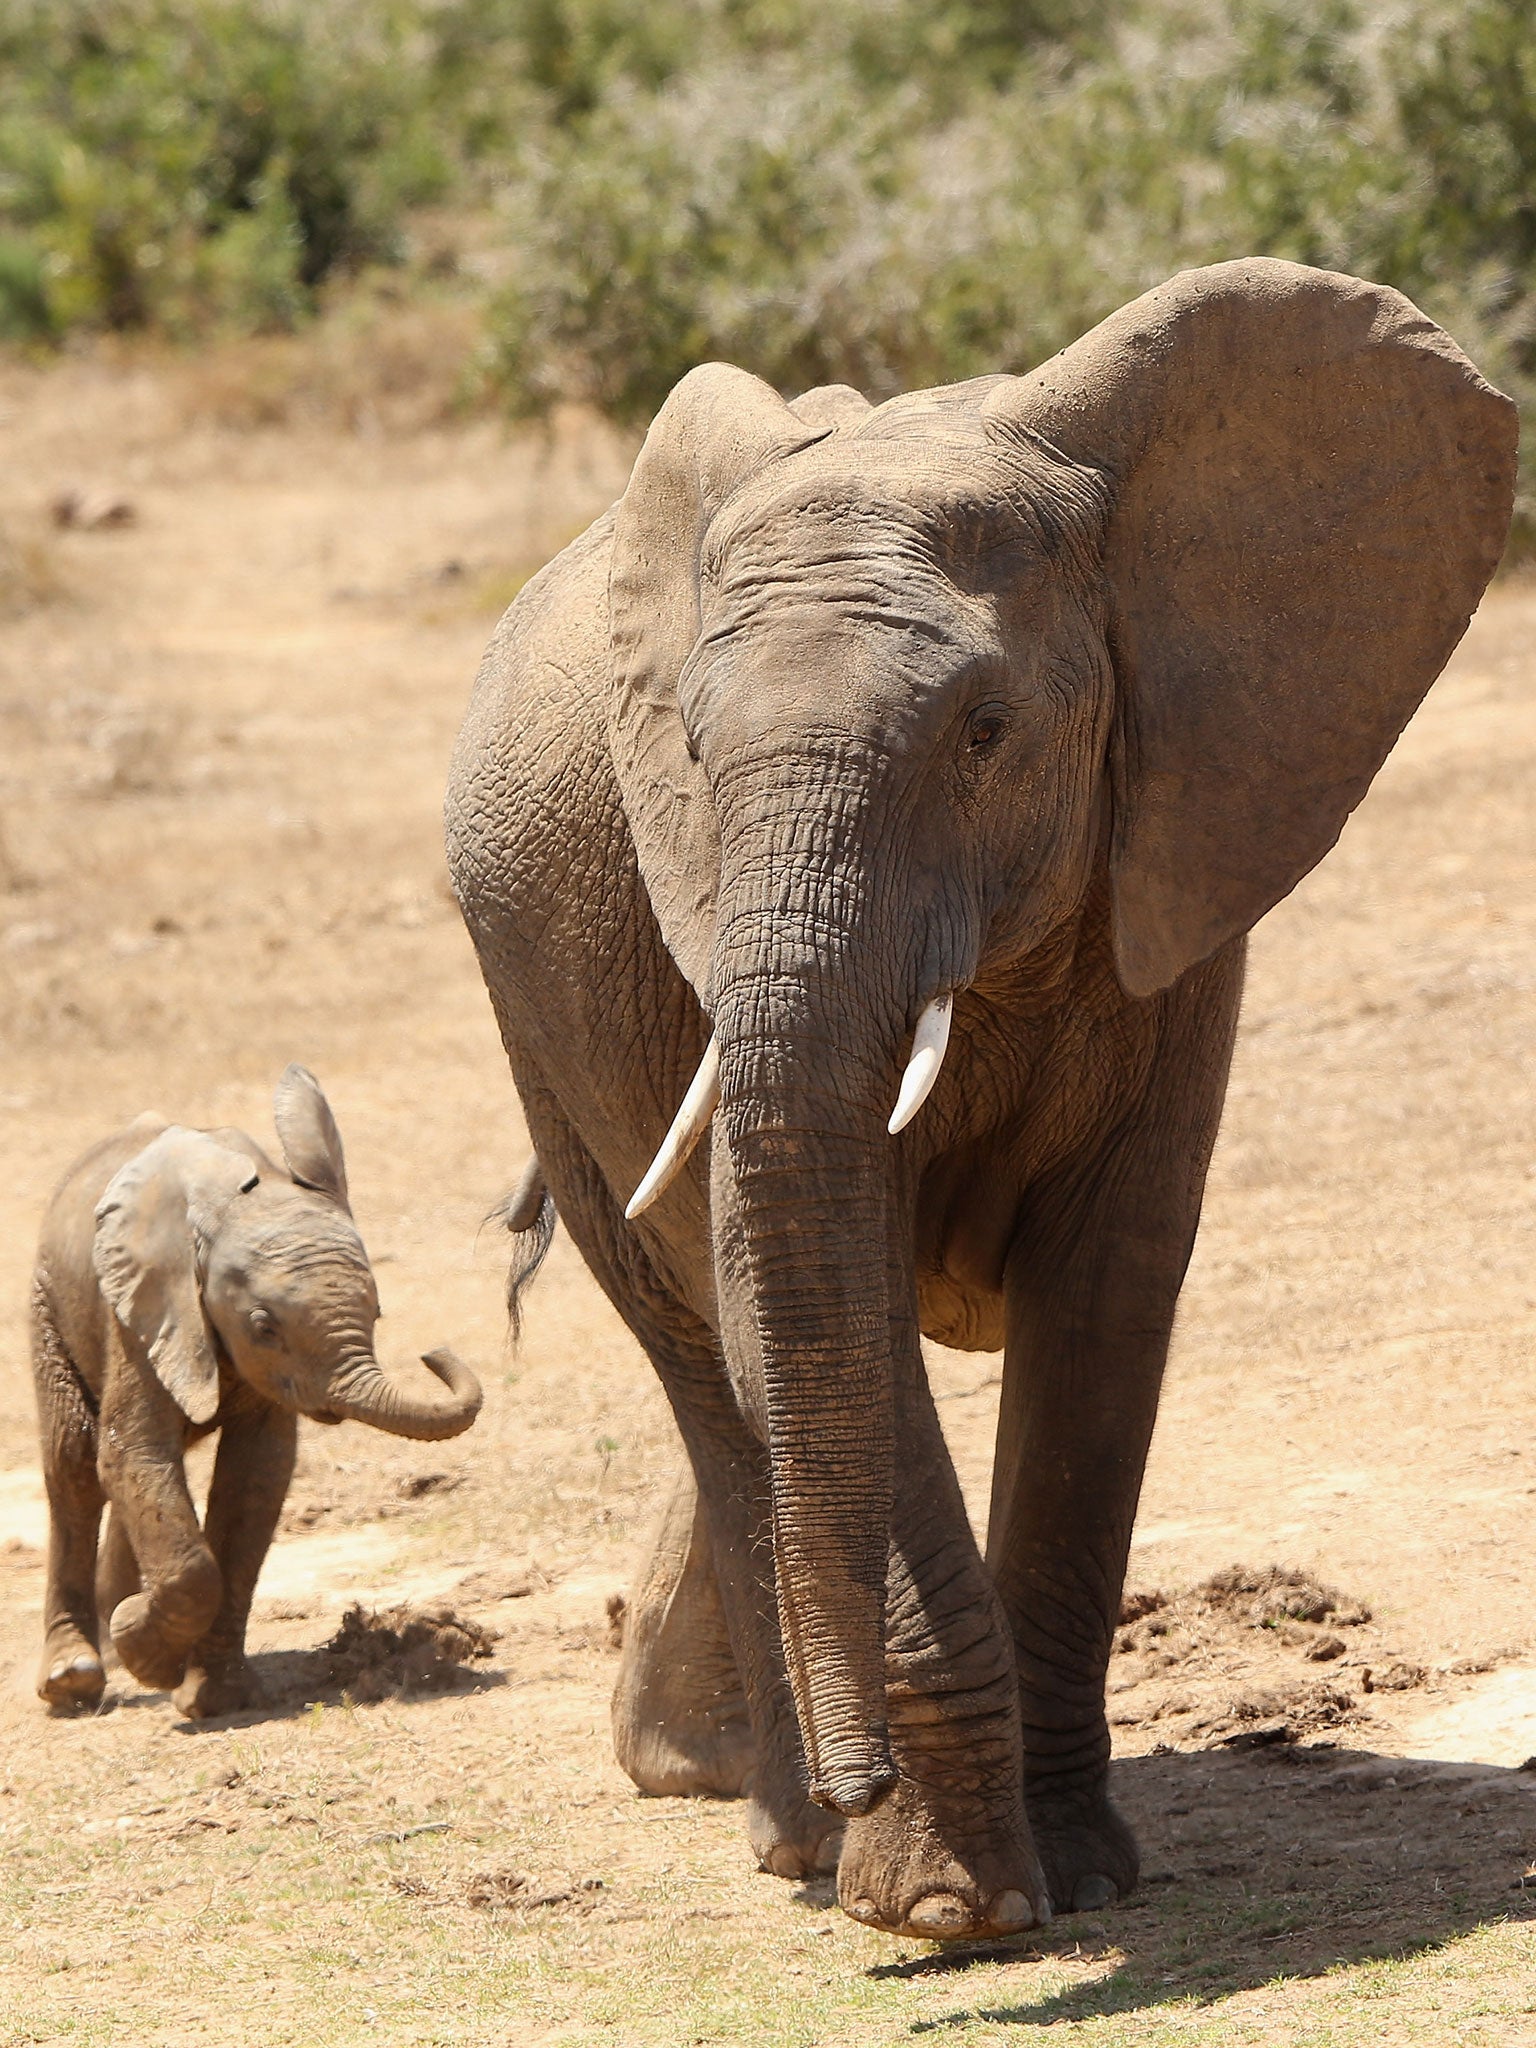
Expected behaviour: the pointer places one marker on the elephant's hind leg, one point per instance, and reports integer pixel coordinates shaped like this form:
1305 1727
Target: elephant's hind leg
680 1723
71 1676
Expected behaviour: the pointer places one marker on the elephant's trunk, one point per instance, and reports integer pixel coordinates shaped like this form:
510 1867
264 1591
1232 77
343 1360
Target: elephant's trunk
811 1032
365 1392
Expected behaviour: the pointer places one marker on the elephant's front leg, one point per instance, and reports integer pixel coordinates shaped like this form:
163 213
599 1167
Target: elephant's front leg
947 1854
143 1437
251 1475
790 1837
1092 1287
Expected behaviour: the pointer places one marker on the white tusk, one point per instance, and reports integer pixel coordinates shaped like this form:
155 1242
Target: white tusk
928 1043
688 1126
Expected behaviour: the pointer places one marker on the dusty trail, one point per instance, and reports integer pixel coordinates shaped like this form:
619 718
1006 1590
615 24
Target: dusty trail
222 743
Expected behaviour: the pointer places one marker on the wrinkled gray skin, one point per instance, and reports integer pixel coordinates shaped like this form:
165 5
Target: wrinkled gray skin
186 1283
1038 690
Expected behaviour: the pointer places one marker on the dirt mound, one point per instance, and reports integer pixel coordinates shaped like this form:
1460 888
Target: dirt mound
505 1891
403 1650
1264 1598
1220 1665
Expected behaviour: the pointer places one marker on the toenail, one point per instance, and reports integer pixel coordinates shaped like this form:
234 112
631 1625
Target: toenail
863 1909
1089 1893
1010 1911
939 1913
783 1861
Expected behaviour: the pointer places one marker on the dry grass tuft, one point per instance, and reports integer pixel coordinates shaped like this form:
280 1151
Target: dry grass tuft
376 364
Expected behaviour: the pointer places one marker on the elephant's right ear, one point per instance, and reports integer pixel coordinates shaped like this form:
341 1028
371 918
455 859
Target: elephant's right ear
158 1212
718 427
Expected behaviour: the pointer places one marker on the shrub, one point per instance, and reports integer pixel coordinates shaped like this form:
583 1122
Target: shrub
168 162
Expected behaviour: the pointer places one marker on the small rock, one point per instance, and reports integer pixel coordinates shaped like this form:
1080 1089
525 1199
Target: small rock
1398 1677
1325 1649
1260 1736
490 1586
416 1484
617 1608
89 511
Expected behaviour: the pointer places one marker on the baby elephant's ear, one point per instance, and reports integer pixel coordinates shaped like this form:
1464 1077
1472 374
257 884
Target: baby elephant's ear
307 1131
158 1213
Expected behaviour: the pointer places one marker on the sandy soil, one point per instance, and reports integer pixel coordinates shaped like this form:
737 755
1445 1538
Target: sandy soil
223 730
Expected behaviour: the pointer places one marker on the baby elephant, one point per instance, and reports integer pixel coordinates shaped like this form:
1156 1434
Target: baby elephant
185 1283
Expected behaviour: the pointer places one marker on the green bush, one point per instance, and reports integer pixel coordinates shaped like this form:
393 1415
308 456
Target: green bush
172 162
887 192
804 205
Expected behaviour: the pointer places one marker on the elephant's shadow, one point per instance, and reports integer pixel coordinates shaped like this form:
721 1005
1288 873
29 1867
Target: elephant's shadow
293 1681
1273 1864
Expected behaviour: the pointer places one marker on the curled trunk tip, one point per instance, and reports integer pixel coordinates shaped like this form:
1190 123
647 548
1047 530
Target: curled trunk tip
374 1396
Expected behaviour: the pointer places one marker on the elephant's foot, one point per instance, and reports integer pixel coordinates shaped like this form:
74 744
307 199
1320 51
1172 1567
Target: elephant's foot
941 1871
680 1725
225 1688
793 1838
140 1640
71 1679
1086 1848
682 1740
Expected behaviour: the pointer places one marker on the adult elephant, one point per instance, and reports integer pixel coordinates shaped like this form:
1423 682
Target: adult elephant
1001 710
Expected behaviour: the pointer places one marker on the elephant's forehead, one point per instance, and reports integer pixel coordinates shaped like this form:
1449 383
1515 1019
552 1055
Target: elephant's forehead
871 503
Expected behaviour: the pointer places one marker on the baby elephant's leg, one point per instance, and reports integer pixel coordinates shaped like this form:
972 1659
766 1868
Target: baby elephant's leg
117 1569
71 1675
250 1483
143 1438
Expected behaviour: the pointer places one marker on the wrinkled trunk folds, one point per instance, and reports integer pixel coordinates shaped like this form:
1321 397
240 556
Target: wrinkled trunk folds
364 1392
807 1044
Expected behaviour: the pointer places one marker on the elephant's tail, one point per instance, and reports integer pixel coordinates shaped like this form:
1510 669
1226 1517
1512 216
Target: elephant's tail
527 1214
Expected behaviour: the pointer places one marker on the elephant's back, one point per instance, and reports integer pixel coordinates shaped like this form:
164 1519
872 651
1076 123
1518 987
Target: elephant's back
538 846
532 750
66 1274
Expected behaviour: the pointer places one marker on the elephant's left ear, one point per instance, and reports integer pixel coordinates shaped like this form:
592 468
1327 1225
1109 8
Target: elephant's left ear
308 1134
718 427
1311 486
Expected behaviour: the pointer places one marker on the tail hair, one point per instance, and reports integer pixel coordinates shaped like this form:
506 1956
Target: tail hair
527 1214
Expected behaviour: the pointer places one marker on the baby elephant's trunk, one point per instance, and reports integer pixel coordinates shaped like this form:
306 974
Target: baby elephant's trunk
367 1393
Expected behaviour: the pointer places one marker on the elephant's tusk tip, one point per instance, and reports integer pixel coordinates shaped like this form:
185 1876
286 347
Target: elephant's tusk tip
929 1042
688 1126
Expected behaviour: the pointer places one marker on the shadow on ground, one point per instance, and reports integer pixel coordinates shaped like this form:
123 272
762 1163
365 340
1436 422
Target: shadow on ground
399 1654
1280 1863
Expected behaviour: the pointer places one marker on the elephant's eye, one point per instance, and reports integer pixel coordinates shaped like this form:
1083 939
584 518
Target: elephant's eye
263 1327
985 728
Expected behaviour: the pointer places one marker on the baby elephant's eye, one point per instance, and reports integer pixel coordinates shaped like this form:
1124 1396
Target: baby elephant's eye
262 1326
985 727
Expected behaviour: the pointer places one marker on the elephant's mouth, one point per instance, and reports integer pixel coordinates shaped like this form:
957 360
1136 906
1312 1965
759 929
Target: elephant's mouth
325 1415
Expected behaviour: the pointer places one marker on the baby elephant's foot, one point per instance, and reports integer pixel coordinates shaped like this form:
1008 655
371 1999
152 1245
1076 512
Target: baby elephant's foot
140 1640
71 1680
226 1689
1087 1850
908 1869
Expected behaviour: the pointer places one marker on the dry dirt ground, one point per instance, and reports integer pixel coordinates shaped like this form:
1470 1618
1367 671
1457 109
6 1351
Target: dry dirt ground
223 730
